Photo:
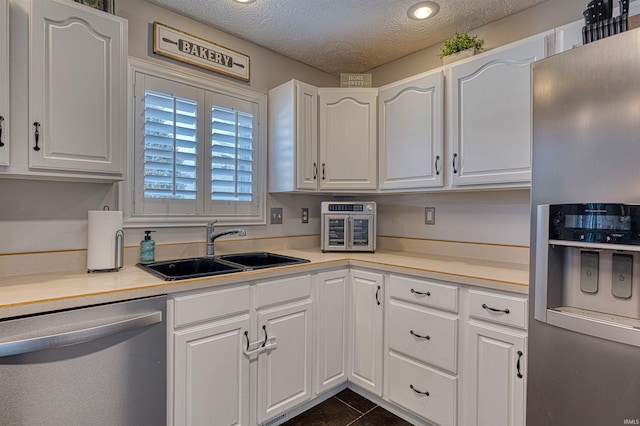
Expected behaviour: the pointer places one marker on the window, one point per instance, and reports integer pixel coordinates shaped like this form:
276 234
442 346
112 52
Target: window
199 151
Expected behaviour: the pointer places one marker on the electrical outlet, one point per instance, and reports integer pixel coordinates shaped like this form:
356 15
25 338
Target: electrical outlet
304 215
276 215
429 215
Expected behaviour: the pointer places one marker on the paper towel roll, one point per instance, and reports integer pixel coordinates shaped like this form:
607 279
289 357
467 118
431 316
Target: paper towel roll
101 244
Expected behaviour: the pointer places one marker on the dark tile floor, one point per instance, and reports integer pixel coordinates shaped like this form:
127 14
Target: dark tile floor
346 408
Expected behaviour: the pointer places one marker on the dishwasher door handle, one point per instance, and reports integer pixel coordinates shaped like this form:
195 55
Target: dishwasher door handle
75 337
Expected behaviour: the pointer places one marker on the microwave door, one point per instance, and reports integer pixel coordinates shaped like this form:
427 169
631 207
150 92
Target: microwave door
362 233
336 235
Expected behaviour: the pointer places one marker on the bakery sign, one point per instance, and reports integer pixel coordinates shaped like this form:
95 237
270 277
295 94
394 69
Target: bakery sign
193 50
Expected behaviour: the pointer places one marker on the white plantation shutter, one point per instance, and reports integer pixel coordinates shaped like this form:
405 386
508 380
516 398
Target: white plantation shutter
231 155
170 146
179 172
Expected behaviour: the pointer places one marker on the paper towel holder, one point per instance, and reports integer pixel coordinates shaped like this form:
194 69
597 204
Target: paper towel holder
118 259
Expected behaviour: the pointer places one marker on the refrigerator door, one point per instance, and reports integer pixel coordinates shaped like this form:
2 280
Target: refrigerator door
586 149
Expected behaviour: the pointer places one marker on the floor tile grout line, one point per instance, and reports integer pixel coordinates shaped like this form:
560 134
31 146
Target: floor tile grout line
361 415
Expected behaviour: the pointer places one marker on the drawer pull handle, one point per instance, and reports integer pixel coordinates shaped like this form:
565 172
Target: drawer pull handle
518 364
489 308
378 295
419 336
419 293
417 391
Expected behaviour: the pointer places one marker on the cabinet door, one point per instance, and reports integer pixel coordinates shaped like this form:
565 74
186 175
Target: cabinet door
348 149
284 372
4 83
411 136
367 303
77 74
211 374
293 137
496 380
331 329
491 106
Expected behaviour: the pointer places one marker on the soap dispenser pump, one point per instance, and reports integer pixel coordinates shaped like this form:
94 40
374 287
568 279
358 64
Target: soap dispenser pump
147 248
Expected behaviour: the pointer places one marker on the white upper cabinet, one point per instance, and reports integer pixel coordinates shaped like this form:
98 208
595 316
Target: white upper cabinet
411 135
348 139
293 137
4 83
77 110
490 115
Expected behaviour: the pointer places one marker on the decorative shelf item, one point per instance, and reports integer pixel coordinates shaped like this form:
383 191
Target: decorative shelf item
460 46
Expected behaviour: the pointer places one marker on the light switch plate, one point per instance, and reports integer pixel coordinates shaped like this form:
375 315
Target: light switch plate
429 215
276 216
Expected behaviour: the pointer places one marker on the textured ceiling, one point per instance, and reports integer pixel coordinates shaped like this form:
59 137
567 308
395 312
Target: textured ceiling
343 35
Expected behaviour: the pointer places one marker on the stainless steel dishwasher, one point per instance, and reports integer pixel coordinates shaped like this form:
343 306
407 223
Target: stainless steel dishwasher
100 365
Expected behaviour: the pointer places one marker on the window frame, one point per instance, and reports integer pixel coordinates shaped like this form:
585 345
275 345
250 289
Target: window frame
126 190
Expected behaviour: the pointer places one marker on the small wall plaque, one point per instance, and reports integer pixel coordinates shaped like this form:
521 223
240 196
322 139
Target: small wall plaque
193 50
355 80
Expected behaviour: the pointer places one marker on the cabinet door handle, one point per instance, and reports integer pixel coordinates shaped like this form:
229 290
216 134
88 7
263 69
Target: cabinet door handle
1 120
419 336
489 308
323 172
261 344
518 364
36 135
419 392
378 295
437 165
315 171
419 293
455 160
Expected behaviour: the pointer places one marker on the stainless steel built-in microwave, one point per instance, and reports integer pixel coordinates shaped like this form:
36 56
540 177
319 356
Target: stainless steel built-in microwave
348 226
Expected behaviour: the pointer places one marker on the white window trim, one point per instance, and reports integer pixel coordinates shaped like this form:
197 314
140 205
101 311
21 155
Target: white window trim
126 188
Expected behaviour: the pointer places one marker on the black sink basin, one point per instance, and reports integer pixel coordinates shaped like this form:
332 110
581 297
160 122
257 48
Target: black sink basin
261 259
183 269
190 268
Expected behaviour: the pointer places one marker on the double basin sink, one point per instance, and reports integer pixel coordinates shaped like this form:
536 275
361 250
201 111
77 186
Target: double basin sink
182 269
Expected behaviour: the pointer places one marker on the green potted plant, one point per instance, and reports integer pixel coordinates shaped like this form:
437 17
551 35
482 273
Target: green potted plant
460 46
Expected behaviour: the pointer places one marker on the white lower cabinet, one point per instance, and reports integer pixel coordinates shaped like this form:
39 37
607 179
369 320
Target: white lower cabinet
446 354
366 330
331 330
218 338
285 372
496 359
211 374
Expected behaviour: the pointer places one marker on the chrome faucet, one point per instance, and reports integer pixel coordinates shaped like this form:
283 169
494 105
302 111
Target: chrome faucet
212 236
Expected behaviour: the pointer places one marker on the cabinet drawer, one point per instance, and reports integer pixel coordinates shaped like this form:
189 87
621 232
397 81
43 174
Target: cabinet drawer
208 305
502 309
283 290
424 293
428 337
409 383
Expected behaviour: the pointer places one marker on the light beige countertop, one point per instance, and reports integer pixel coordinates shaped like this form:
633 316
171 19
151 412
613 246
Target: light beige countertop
29 294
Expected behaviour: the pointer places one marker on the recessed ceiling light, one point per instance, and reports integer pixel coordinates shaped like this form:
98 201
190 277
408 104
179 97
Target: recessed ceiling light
423 10
244 1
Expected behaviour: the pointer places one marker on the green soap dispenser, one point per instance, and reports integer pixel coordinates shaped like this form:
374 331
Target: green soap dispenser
147 248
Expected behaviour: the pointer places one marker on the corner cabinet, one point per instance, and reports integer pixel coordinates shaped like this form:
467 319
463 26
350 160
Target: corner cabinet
4 83
411 133
367 330
490 115
293 137
348 139
74 71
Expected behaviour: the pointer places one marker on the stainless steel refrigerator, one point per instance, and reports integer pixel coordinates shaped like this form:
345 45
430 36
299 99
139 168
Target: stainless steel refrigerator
584 317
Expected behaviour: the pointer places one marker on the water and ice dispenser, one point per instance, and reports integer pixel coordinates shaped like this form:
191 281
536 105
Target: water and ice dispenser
587 276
